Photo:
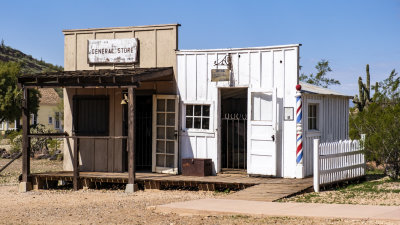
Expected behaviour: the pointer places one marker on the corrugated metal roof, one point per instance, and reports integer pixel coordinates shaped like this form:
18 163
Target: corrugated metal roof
313 89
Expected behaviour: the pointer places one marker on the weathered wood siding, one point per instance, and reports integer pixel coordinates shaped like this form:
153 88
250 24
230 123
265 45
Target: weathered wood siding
261 70
157 45
333 123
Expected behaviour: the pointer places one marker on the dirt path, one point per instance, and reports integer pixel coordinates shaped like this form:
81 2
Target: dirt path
116 207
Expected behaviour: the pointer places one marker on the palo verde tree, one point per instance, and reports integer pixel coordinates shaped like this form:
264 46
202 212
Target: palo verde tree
380 122
320 78
11 94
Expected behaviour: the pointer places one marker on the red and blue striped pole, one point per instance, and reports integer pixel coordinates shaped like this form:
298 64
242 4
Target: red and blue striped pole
299 130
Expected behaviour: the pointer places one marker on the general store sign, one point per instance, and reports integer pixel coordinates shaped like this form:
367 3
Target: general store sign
112 51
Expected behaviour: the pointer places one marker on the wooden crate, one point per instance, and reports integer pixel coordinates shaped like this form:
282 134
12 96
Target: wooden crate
197 167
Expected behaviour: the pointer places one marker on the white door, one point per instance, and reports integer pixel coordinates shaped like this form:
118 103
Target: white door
261 144
165 134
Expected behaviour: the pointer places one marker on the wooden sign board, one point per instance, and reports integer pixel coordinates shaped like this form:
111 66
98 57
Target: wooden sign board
112 51
220 75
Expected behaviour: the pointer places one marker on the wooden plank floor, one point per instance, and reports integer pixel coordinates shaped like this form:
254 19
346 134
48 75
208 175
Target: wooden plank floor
255 188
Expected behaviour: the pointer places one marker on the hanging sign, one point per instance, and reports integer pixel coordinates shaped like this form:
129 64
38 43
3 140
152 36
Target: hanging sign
220 74
112 51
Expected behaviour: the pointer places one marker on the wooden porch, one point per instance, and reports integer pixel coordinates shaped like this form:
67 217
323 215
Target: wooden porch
259 188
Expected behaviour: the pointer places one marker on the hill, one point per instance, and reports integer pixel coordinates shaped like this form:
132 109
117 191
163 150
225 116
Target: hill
28 63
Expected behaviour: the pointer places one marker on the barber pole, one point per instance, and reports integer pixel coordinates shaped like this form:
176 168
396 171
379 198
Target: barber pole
299 135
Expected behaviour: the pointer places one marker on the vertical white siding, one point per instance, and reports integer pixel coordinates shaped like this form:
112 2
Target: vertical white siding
333 121
259 70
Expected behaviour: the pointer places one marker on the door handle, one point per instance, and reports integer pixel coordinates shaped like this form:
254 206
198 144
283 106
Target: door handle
273 137
176 135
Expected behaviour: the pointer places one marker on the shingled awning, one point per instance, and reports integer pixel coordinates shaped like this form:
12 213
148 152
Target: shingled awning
96 78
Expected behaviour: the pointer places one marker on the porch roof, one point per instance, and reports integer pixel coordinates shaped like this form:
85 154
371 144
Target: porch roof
96 78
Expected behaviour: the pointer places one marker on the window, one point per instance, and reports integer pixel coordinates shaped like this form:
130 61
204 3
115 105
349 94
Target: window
91 115
312 117
50 120
198 116
33 119
57 118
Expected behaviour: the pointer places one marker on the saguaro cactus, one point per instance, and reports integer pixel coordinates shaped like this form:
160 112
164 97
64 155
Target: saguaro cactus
363 99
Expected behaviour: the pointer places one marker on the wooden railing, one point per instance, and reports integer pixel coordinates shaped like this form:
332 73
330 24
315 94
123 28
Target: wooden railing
337 161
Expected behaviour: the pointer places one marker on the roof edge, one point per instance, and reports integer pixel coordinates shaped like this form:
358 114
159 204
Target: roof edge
119 28
238 49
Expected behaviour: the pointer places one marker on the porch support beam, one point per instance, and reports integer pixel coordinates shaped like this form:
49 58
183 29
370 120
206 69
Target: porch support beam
130 187
25 185
75 165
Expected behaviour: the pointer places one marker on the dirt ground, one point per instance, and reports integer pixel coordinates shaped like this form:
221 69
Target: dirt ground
107 206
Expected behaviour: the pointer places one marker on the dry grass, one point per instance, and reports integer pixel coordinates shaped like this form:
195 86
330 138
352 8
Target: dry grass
376 190
9 176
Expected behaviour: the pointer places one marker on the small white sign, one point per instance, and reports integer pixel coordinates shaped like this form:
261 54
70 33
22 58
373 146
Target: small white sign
112 51
289 111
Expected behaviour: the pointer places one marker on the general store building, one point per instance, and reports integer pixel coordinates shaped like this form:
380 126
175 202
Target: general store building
130 88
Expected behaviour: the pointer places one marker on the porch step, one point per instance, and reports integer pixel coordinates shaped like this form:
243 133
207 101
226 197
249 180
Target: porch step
233 171
270 192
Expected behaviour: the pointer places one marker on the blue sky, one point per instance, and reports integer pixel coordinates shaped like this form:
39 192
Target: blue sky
349 34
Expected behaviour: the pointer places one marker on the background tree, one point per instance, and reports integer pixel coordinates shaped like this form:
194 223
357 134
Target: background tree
11 94
380 122
320 78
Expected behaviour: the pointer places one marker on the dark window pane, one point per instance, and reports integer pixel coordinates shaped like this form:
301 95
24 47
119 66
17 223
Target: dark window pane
160 118
189 110
206 110
160 132
160 160
160 148
91 115
171 119
160 105
170 147
170 105
170 133
189 122
170 161
197 110
197 122
206 123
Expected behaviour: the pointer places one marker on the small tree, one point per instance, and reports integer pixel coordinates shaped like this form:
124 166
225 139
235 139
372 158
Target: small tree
380 122
11 94
320 79
381 125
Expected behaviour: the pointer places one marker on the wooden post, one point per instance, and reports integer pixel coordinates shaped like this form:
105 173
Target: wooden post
316 165
75 165
130 187
25 185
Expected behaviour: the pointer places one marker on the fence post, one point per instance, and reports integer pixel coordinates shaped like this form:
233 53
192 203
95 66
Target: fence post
316 165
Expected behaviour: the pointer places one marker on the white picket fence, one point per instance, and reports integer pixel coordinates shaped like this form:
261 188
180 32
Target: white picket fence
337 161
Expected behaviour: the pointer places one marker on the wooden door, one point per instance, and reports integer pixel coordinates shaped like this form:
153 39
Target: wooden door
165 134
262 136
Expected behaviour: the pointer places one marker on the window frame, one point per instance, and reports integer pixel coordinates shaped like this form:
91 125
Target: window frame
319 116
210 117
312 117
57 115
50 120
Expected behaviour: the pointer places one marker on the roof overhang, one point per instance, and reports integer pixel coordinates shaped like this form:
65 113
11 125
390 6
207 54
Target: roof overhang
96 78
316 90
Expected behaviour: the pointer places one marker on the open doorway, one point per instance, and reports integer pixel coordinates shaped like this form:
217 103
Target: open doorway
233 129
143 134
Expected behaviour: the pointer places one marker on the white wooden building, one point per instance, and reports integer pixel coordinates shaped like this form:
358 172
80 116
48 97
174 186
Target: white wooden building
238 107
